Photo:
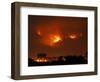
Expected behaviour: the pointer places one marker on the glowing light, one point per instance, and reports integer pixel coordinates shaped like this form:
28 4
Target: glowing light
73 36
51 39
55 39
41 60
39 32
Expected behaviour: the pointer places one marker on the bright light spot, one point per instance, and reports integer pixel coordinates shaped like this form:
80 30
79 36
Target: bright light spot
73 36
41 60
52 39
55 39
38 32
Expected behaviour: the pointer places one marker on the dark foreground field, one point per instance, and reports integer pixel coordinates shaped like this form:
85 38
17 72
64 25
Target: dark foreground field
69 60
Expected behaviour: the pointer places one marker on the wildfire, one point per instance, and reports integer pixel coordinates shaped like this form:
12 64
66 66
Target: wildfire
52 39
41 60
55 38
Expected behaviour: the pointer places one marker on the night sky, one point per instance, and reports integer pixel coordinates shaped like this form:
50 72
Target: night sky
57 35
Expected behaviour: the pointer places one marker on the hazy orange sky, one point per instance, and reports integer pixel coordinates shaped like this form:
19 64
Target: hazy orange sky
57 36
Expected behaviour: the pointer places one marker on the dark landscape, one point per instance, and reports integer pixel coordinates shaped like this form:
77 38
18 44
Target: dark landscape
61 60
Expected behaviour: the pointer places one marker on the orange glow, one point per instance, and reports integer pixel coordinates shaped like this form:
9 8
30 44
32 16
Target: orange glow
39 32
80 34
55 38
73 36
52 39
41 60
